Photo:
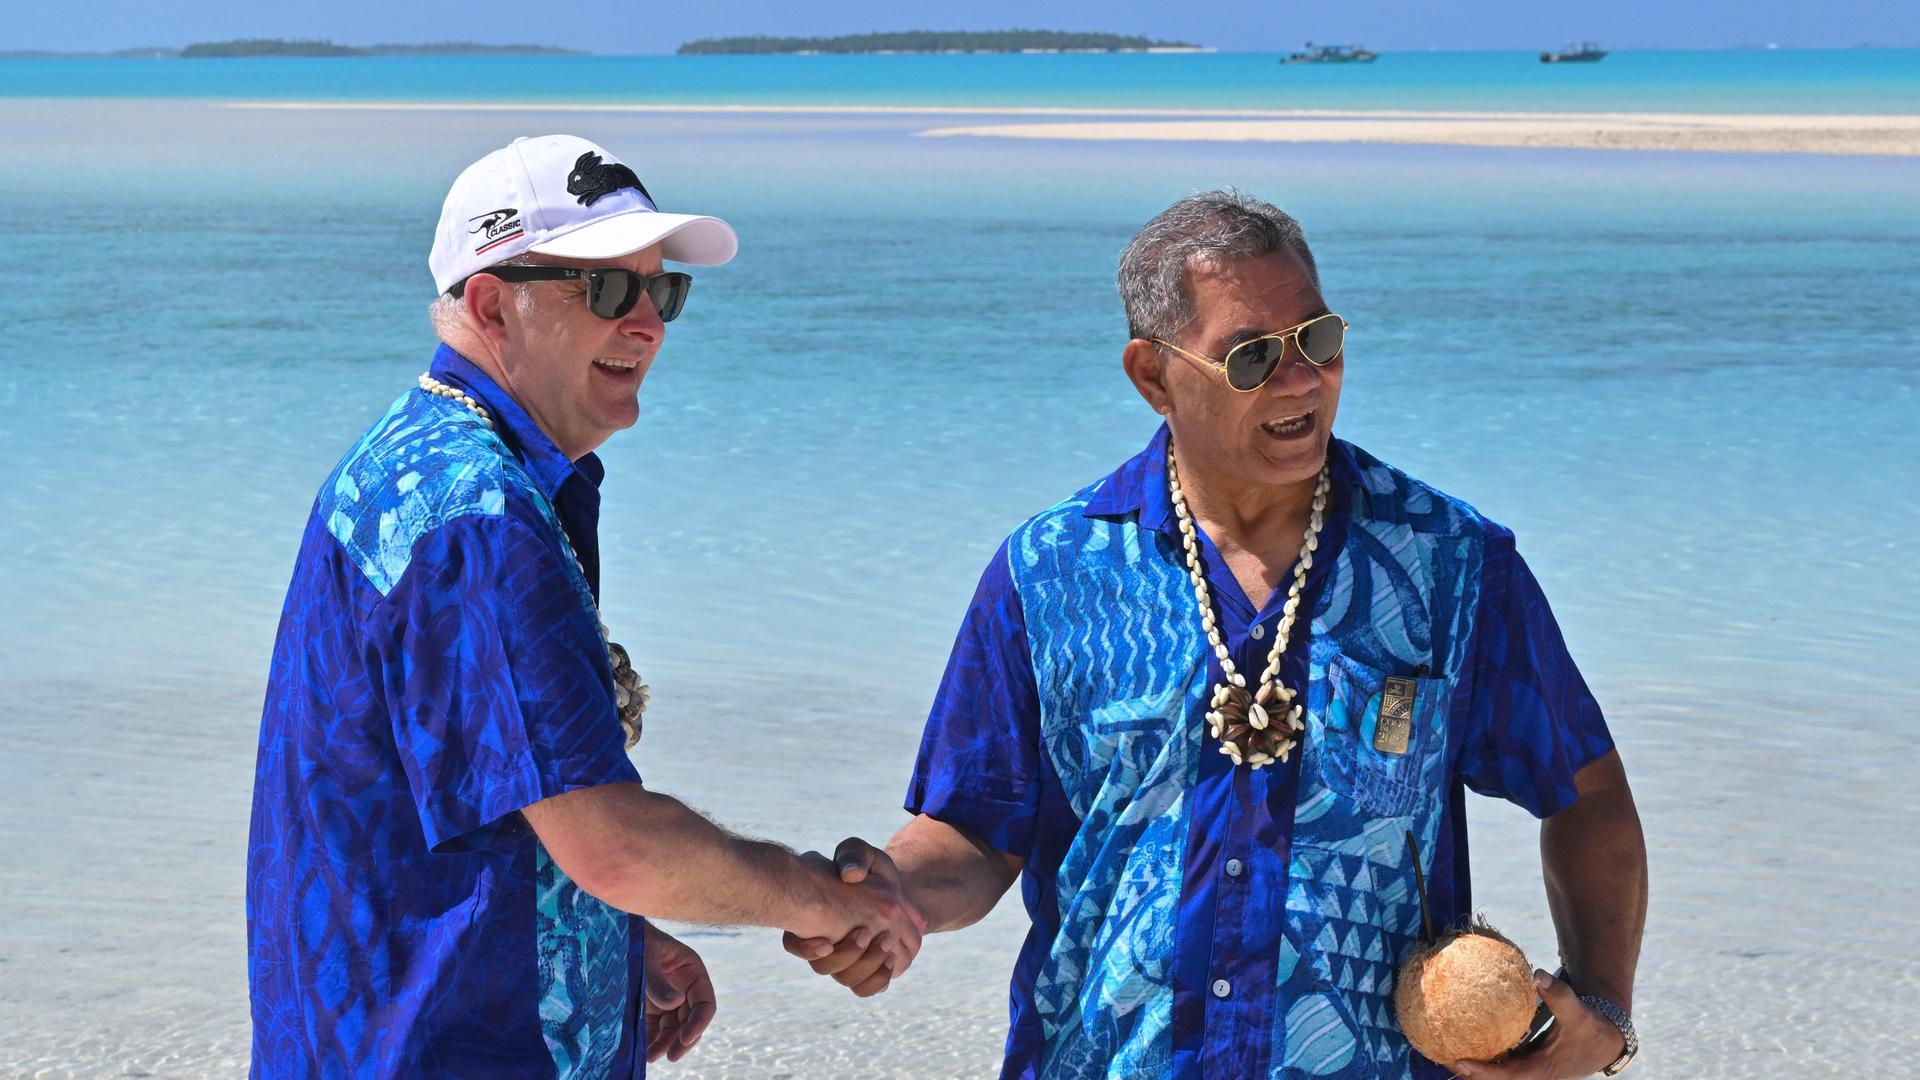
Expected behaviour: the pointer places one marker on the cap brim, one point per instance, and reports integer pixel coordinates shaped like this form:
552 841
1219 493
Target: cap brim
687 238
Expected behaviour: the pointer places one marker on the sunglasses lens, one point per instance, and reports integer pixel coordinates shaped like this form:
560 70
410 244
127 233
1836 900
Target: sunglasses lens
1249 363
668 294
1320 340
610 293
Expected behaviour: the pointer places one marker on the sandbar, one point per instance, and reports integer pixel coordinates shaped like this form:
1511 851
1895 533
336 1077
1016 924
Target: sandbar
1897 136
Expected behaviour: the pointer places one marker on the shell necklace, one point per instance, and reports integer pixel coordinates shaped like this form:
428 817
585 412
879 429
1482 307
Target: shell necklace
630 695
1255 729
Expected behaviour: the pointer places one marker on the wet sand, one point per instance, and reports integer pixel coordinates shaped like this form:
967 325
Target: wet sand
123 953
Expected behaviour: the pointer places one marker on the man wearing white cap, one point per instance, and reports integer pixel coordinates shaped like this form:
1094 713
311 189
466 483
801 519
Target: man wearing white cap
450 845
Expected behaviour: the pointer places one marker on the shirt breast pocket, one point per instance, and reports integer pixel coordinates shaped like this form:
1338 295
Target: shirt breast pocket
1381 734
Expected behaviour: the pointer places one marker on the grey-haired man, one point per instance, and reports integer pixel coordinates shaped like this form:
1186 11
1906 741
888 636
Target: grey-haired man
1211 704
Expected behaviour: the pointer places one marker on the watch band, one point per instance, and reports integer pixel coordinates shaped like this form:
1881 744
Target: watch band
1619 1018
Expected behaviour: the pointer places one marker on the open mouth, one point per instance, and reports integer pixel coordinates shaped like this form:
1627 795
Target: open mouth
614 365
1289 427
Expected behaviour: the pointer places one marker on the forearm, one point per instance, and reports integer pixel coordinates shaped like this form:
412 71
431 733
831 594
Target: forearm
955 879
652 855
1595 861
690 869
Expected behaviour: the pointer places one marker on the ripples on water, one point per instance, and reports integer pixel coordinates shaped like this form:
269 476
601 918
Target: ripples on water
1686 380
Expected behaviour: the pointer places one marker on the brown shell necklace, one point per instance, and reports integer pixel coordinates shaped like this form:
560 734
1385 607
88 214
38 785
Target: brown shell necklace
630 695
1258 728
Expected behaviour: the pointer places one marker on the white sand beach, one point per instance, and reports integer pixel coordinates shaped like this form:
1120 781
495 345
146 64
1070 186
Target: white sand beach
1738 133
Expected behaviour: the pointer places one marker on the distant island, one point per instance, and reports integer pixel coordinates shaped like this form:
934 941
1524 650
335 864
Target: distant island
938 41
281 47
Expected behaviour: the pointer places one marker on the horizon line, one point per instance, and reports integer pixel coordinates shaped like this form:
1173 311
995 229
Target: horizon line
565 51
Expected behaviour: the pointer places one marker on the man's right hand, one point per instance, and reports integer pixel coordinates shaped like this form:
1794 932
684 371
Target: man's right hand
956 879
869 929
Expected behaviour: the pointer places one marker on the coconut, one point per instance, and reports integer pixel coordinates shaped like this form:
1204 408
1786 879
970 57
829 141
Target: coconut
1465 997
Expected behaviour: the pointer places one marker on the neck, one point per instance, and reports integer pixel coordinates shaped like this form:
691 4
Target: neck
478 353
481 355
1238 514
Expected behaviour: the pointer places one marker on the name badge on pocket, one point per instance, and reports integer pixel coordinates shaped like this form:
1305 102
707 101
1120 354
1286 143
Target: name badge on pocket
1394 725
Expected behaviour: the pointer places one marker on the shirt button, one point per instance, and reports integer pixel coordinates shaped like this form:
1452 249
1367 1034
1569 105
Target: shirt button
1258 631
1234 866
1221 988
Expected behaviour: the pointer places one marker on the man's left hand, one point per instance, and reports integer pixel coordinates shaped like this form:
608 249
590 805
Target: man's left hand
1580 1043
679 997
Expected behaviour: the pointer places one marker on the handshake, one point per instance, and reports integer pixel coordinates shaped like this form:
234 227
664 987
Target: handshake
869 928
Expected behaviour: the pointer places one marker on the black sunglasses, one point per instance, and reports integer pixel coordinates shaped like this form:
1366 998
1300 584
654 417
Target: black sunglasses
611 290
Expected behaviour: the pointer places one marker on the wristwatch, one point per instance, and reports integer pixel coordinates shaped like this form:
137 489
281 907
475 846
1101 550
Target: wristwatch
1620 1020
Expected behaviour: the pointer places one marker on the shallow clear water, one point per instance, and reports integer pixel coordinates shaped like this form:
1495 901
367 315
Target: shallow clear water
1700 80
1686 380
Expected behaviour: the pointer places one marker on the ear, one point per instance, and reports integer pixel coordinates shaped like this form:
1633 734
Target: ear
1146 365
489 304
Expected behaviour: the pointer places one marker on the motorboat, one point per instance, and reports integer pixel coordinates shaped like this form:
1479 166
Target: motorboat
1582 52
1332 54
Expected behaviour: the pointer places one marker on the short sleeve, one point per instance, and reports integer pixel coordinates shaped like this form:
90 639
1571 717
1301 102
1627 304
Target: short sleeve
1532 723
979 762
499 687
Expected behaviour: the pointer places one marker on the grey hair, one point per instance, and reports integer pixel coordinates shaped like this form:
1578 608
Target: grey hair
448 313
1213 226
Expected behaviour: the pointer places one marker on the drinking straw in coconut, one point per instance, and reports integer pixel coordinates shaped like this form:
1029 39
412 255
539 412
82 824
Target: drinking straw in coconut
1420 885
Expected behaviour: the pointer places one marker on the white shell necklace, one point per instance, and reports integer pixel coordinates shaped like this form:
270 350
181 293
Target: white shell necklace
630 695
1254 729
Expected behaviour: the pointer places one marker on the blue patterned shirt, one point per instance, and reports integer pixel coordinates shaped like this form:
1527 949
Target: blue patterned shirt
1191 918
439 666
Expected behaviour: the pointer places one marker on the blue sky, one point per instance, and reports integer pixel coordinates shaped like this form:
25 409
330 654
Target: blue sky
630 27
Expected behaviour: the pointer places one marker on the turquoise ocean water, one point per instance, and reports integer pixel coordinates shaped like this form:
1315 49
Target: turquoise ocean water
1725 80
1687 380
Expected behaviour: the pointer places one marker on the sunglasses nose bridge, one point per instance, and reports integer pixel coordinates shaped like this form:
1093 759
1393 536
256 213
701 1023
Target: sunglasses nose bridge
1292 354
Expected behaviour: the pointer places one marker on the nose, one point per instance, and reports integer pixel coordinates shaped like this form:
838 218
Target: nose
1296 374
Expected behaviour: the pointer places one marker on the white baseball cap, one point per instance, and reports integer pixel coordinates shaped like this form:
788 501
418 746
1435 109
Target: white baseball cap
561 195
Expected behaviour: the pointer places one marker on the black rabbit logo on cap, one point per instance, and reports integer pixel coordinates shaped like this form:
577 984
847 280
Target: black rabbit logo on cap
592 178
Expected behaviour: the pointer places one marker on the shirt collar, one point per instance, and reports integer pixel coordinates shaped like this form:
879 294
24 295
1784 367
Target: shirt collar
1141 485
550 468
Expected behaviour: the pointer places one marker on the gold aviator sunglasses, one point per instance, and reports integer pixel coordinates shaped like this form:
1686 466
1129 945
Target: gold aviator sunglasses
1251 363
